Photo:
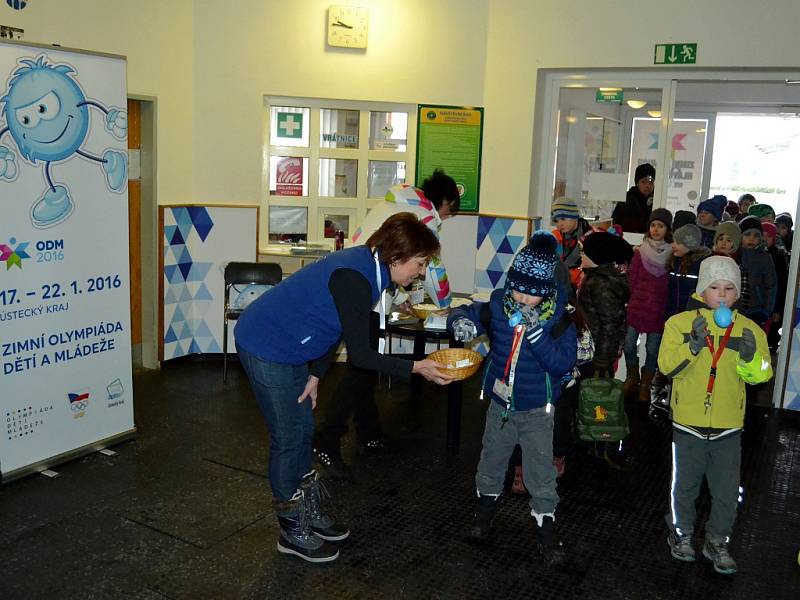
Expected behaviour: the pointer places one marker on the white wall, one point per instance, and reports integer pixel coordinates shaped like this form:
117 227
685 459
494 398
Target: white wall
527 35
419 51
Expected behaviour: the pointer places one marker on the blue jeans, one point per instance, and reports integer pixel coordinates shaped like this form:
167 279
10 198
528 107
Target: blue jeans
291 425
650 347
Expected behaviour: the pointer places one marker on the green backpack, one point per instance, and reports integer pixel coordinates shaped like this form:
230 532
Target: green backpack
601 411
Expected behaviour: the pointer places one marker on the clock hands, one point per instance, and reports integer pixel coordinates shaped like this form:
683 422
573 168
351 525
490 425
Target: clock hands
338 23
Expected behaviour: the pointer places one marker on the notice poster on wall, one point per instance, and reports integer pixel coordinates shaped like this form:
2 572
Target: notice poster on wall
65 347
687 149
450 138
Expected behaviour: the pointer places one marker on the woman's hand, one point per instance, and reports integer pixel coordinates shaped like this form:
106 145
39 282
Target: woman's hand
310 391
432 371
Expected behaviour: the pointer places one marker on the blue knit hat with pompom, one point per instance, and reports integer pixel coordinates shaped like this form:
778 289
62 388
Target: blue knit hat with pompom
533 270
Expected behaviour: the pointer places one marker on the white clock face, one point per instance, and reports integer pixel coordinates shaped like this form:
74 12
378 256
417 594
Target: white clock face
348 26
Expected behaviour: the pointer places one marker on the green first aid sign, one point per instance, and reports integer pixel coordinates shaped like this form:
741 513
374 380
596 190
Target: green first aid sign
675 54
290 125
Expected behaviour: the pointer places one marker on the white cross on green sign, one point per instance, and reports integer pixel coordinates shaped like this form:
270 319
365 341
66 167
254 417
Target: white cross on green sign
290 125
675 54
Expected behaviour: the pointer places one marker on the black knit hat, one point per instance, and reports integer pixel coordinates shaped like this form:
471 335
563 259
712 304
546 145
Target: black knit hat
604 248
784 219
683 217
642 171
750 223
533 269
661 214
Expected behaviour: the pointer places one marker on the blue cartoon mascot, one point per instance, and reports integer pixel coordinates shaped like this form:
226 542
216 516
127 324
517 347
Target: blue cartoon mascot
47 115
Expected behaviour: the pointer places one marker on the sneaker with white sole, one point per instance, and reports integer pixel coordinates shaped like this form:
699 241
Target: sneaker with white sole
296 536
717 552
680 547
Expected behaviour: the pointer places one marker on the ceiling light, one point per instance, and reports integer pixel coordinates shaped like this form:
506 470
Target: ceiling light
607 89
701 130
636 104
571 119
656 114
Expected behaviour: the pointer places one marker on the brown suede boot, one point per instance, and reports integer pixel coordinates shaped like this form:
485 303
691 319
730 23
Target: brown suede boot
644 386
631 386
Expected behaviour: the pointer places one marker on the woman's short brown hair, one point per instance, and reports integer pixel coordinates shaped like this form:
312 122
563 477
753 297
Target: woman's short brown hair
401 237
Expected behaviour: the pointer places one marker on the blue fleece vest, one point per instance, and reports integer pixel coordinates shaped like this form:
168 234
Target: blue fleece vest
296 321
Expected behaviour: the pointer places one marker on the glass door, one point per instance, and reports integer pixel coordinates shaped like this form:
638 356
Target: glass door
602 133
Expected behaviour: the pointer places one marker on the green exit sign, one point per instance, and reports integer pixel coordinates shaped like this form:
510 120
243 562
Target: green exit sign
675 54
609 96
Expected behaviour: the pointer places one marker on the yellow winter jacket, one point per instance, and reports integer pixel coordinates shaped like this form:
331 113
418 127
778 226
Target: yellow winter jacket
690 373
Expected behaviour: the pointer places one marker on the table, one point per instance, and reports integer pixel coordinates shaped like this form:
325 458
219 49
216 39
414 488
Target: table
454 390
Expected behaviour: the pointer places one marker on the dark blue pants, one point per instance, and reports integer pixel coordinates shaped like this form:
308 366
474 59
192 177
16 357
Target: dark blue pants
291 425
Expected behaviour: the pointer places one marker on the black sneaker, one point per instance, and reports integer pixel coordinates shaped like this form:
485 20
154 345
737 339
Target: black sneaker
296 536
322 524
310 548
331 464
548 544
373 447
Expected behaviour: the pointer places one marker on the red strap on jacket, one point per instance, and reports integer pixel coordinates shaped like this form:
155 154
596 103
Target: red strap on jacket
518 331
715 356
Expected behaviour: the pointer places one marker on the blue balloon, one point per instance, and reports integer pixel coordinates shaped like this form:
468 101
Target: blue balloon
723 316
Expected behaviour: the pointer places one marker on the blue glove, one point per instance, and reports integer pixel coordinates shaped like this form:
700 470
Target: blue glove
534 334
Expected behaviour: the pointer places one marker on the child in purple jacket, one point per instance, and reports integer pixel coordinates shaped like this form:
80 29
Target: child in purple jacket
648 279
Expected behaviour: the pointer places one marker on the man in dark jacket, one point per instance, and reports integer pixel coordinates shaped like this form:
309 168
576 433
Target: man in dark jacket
632 214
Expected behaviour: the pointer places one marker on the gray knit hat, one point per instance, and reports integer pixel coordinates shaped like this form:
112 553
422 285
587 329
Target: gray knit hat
689 235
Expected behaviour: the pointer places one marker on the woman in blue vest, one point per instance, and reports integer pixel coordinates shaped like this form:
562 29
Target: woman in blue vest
286 340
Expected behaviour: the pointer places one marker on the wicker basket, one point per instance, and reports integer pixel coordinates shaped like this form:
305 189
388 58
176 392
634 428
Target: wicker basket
450 356
422 311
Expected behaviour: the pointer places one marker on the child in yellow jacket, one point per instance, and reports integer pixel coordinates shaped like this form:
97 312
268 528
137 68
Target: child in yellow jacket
710 353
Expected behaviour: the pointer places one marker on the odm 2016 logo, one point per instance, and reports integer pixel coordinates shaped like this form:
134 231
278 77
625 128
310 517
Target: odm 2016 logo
13 253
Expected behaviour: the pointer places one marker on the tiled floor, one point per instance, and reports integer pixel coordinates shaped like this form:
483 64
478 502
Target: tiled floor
184 512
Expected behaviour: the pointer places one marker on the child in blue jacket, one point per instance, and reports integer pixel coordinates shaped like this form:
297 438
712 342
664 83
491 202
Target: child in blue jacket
522 380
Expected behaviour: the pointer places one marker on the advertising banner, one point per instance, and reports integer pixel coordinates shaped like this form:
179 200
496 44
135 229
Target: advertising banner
199 241
687 149
450 138
65 349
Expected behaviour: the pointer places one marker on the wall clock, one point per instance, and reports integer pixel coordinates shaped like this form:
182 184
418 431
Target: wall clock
348 26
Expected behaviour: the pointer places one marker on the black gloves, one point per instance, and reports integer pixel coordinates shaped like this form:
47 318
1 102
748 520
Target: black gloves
697 338
747 345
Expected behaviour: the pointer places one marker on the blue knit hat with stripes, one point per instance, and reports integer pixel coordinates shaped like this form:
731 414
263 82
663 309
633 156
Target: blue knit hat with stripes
534 267
565 208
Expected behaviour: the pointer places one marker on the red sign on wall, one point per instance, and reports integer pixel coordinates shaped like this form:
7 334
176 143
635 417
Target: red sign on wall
289 177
